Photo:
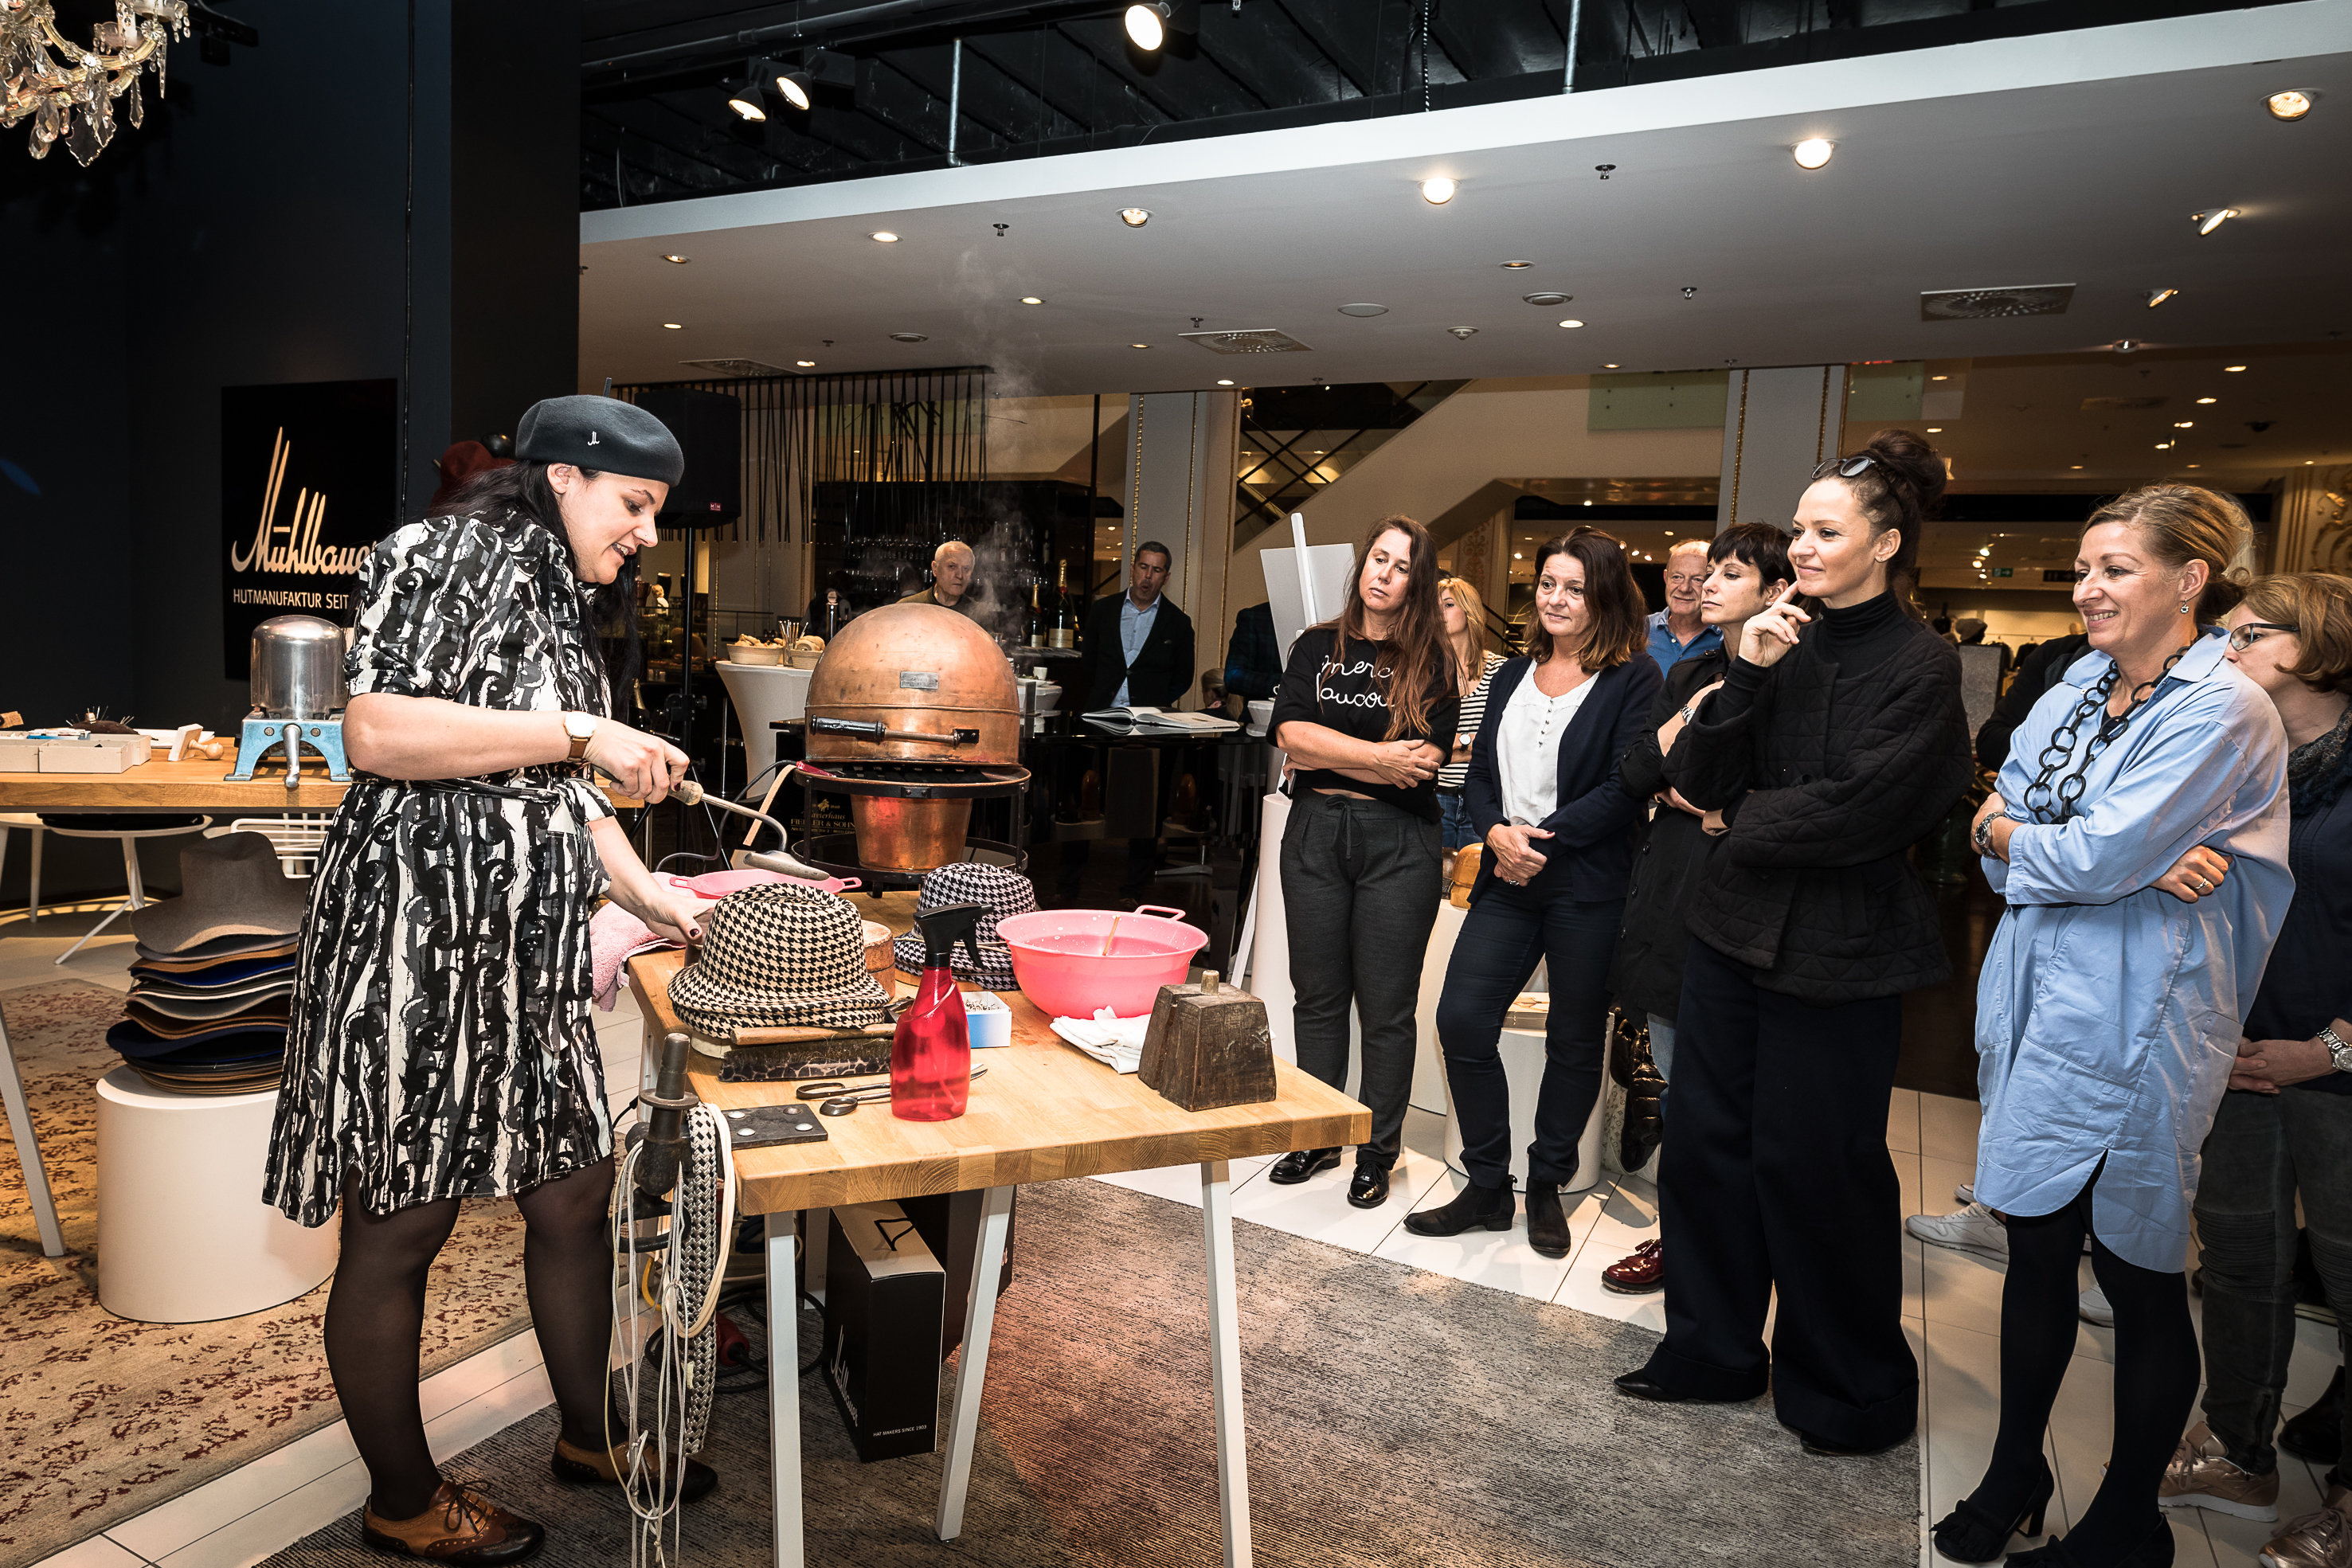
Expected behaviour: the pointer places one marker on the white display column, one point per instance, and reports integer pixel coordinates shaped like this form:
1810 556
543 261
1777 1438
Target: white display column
1179 493
1779 424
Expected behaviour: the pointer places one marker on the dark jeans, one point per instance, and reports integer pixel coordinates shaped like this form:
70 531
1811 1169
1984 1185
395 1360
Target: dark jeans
1777 1176
1359 891
2263 1150
1507 932
1453 826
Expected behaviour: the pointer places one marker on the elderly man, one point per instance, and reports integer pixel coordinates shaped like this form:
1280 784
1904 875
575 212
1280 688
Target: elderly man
950 580
1676 633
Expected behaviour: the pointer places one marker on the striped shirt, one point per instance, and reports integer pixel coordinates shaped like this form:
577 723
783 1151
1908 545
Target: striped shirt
1474 714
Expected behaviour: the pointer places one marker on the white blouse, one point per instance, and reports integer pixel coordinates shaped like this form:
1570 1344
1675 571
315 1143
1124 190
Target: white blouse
1527 748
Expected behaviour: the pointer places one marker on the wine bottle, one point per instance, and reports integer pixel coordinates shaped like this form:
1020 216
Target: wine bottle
1034 632
1064 632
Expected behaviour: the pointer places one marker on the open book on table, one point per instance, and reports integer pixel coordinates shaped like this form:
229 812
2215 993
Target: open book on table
1163 719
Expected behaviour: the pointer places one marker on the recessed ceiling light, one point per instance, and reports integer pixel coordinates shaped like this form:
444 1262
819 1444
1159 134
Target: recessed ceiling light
1138 345
2208 400
1031 299
2074 464
2184 425
1364 309
806 364
1813 151
1515 265
1437 190
1939 378
680 260
1612 365
674 326
1134 217
2212 218
2292 104
1571 321
1934 430
2233 370
883 236
1223 382
2197 466
2156 297
910 336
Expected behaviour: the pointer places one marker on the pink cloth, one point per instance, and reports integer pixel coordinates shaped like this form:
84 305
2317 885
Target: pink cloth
614 937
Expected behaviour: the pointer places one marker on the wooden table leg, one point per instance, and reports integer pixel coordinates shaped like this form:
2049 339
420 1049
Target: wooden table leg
28 1150
1226 1361
784 1391
971 1368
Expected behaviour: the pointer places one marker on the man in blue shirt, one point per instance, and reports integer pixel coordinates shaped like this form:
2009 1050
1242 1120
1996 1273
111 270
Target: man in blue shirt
1138 646
1676 633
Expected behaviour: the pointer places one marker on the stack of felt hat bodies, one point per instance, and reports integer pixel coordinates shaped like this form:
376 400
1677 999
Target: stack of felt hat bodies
214 976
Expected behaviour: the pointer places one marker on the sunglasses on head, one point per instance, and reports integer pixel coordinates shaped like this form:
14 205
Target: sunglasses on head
1843 467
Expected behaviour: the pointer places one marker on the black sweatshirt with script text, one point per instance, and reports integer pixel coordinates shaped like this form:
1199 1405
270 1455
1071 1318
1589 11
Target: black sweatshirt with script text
1344 694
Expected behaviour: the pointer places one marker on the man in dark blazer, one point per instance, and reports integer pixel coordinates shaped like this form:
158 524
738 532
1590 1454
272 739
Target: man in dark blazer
1139 644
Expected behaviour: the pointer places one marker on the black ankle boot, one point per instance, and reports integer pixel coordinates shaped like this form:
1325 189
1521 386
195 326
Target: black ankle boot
1547 1221
1488 1207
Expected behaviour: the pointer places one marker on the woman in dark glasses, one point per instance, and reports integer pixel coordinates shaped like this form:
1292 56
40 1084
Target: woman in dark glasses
1836 741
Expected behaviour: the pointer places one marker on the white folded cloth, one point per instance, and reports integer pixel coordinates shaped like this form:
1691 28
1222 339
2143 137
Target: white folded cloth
1114 1041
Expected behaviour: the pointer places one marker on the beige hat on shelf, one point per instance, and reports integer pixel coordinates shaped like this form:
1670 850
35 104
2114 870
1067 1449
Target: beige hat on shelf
229 886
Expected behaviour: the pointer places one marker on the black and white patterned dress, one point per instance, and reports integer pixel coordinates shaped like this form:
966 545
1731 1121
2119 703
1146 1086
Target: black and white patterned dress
441 1044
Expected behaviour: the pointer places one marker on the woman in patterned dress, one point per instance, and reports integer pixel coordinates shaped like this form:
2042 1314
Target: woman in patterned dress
441 1045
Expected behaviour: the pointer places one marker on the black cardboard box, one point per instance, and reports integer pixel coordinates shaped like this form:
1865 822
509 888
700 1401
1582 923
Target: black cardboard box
884 1314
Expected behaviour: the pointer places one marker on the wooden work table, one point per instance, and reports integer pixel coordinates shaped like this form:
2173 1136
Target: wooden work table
197 784
1045 1111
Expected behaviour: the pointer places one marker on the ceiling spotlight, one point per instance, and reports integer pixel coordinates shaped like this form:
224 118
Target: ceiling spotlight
1437 190
745 100
2156 297
2292 104
674 257
1031 299
1813 152
2233 370
883 236
2209 400
1612 365
1939 378
1149 22
1138 345
2074 464
674 326
1571 321
1134 217
2212 218
806 364
2184 425
1934 430
1223 382
792 86
1516 265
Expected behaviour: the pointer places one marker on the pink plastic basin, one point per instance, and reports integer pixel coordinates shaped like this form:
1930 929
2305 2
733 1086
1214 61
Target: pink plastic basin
1058 960
720 884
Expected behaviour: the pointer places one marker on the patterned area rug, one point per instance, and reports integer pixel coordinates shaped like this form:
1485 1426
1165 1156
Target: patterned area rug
1396 1419
107 1418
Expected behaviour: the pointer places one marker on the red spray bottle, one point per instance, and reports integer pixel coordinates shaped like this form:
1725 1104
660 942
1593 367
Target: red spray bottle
931 1056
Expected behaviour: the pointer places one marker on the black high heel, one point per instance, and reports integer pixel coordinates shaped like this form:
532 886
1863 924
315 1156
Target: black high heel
1972 1533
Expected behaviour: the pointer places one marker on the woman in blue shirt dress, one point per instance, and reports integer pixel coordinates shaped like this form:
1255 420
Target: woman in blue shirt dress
2139 836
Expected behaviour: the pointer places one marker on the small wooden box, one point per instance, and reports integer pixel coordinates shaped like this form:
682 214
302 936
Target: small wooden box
1207 1046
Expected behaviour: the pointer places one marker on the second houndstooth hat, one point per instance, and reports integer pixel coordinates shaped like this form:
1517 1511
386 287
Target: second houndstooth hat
999 891
779 955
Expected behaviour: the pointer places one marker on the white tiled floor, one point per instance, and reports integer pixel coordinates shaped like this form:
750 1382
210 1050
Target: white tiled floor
1952 1305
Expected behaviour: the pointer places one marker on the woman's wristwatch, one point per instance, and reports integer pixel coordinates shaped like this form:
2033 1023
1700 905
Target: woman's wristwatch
580 728
2339 1050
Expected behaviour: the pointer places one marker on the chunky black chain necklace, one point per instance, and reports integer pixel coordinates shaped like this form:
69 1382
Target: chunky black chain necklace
2039 796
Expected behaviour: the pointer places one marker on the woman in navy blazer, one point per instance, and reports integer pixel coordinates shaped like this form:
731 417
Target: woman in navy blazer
1545 793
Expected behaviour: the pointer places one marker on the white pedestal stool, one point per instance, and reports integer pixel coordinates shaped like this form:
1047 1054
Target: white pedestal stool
182 1234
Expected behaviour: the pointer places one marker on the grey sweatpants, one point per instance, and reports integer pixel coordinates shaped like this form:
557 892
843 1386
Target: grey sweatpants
1359 891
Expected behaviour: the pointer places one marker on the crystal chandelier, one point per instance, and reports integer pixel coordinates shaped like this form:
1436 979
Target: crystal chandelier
68 91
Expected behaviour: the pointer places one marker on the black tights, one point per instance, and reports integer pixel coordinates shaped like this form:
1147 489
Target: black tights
375 1314
2156 1377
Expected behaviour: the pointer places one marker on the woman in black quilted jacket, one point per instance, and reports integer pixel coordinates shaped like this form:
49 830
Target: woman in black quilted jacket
1836 741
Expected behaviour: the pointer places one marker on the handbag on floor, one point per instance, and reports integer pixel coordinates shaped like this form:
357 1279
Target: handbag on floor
1631 1128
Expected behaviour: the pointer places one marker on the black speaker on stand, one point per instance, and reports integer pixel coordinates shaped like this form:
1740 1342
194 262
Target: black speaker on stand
709 430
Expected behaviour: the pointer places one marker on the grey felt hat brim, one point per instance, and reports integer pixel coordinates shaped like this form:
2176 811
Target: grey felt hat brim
230 886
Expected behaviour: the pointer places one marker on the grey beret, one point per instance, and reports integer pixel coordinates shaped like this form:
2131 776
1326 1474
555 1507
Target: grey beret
600 433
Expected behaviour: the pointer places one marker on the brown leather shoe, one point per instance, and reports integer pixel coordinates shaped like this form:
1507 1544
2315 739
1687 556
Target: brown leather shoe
597 1468
458 1526
1639 1273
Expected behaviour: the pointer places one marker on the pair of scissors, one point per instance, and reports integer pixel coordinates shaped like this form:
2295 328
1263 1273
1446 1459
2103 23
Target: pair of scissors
843 1104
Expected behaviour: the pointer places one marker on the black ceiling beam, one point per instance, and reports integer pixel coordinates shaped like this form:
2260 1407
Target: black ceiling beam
1328 25
1487 40
674 163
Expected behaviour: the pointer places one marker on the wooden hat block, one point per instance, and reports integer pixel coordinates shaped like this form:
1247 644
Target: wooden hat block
1207 1046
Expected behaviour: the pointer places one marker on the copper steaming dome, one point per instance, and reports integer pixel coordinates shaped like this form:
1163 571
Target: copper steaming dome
920 670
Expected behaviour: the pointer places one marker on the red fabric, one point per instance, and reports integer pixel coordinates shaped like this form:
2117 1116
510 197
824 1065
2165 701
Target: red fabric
459 464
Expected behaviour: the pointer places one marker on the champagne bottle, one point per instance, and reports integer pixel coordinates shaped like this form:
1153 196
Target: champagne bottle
1064 632
1033 634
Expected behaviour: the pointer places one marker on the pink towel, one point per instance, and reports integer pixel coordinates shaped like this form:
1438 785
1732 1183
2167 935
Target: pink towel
614 937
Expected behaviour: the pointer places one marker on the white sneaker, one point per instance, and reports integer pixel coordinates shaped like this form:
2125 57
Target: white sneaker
2092 1305
1965 1193
1973 1230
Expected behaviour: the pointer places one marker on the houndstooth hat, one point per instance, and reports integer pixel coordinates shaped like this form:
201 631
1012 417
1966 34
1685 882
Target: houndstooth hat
779 955
999 891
